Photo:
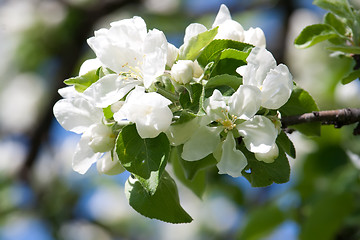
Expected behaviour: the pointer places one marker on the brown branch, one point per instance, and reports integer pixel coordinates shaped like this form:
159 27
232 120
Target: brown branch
338 118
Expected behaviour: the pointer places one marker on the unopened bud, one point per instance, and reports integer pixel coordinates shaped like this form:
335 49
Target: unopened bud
183 71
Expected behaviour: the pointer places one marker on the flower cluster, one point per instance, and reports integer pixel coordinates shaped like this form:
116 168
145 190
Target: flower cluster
217 94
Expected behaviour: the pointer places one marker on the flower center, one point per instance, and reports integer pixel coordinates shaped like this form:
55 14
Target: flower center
228 122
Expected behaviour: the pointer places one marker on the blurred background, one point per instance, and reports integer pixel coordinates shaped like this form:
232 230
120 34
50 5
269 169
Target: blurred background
43 42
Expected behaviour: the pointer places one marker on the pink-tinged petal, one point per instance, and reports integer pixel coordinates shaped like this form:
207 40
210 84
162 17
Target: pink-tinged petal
233 161
76 114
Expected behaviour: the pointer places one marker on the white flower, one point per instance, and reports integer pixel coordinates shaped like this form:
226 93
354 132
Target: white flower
182 71
149 111
78 115
135 55
233 114
275 82
230 29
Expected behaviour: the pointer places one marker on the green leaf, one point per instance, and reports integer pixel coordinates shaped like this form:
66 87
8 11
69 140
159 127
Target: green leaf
225 79
103 71
314 34
286 144
197 184
345 49
355 74
261 222
336 23
338 7
261 174
145 158
327 216
192 49
217 46
191 168
107 112
163 205
192 99
81 83
301 102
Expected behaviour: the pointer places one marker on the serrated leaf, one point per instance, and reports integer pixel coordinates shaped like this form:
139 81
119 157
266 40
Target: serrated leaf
81 83
336 23
145 158
192 49
197 184
338 7
314 34
217 46
261 222
225 79
345 49
301 102
327 216
286 144
163 205
261 174
191 168
351 77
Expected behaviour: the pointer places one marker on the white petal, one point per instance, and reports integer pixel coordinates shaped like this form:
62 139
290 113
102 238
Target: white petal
201 144
76 114
277 87
69 92
180 133
222 16
216 105
260 62
269 156
233 161
255 36
259 134
232 30
109 166
172 54
128 32
84 157
149 111
109 89
89 65
245 102
155 56
193 30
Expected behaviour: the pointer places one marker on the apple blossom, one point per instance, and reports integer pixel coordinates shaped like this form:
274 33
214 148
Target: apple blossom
149 111
78 115
135 55
235 113
275 82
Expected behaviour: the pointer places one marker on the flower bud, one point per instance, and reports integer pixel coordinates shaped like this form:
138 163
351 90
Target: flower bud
183 71
101 138
270 156
172 53
198 71
108 165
